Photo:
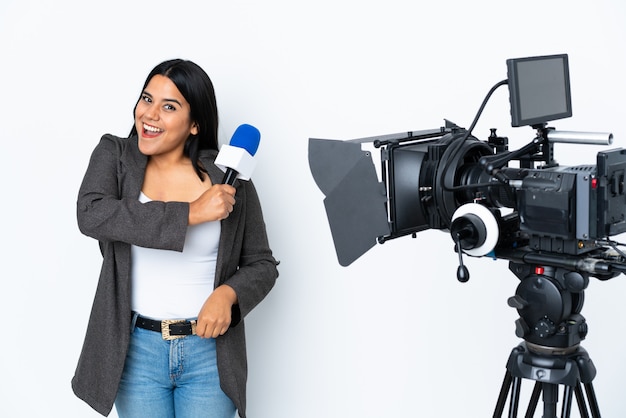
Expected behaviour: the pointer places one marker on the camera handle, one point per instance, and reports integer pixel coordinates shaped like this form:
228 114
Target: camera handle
540 149
493 163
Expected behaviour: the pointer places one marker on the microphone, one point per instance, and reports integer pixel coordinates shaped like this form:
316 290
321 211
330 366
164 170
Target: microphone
236 158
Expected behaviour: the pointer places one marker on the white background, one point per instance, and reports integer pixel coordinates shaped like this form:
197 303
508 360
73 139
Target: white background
394 334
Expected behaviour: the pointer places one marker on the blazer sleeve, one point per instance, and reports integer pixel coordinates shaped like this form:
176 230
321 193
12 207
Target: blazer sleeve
108 206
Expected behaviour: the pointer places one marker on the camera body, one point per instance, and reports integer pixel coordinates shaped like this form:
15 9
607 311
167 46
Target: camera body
552 208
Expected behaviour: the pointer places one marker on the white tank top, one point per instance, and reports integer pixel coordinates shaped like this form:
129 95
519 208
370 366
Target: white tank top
170 284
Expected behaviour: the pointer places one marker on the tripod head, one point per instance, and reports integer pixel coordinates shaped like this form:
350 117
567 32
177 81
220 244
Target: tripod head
549 301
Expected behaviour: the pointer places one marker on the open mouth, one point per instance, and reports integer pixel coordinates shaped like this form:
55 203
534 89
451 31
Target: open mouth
151 130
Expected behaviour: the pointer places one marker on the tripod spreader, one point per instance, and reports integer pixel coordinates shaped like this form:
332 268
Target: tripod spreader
571 368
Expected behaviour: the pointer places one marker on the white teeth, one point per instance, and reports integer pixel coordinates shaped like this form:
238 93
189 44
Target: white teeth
151 128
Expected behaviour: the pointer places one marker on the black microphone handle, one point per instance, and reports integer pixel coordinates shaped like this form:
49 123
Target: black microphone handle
230 176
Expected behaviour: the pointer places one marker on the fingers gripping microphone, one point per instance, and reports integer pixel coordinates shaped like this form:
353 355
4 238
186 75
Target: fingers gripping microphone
236 158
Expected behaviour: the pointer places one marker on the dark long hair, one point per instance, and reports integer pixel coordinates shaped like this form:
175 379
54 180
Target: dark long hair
196 87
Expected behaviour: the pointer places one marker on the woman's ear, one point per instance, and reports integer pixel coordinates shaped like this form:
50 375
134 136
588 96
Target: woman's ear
194 129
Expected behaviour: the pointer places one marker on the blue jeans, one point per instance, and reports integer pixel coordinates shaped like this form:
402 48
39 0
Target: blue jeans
167 379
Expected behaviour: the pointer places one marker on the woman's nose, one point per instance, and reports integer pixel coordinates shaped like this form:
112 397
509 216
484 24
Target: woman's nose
152 113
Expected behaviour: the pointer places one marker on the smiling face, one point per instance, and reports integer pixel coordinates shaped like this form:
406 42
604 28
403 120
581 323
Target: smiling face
162 119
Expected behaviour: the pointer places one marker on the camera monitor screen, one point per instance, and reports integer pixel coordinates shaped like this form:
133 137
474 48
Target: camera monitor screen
539 89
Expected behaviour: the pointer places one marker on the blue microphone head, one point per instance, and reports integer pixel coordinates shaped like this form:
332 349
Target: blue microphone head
246 137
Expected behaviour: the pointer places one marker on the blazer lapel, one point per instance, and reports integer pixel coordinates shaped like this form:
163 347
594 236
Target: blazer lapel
134 167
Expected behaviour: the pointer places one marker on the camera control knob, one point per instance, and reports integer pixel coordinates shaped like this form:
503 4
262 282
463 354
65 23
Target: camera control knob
575 282
545 328
583 329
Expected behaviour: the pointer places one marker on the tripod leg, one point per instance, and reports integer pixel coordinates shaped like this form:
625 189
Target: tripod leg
504 391
580 398
550 399
567 402
593 401
515 392
534 399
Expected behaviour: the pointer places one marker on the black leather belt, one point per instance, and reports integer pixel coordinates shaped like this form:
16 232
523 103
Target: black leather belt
170 329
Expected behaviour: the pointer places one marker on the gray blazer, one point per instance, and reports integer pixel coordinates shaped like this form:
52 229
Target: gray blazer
108 210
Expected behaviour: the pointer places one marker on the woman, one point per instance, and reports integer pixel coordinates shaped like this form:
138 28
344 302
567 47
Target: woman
177 246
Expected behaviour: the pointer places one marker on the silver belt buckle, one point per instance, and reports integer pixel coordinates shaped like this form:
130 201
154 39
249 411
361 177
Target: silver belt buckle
165 328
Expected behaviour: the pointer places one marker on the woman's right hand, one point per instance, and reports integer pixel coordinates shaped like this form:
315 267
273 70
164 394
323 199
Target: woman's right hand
214 204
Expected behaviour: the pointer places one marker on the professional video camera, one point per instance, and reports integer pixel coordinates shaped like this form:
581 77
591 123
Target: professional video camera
553 224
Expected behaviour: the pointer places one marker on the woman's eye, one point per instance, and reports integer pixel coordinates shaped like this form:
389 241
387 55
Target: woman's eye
146 98
169 107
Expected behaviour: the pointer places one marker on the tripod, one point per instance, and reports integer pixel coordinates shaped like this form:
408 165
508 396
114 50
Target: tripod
549 301
571 368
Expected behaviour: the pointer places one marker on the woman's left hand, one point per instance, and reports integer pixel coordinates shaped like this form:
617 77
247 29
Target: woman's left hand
215 316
